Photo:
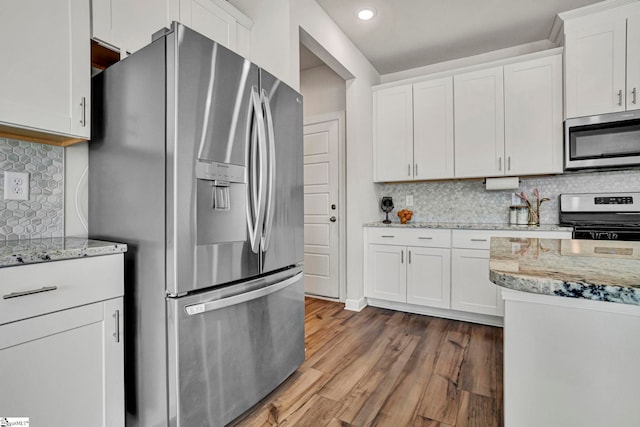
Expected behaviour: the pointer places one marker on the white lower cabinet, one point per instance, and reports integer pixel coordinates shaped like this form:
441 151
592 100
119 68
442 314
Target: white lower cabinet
66 365
438 272
471 289
409 274
388 273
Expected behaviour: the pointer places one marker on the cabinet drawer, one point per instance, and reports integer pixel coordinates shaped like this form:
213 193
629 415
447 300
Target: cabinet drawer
481 239
425 237
36 289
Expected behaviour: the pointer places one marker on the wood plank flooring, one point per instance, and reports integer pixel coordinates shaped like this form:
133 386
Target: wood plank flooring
385 368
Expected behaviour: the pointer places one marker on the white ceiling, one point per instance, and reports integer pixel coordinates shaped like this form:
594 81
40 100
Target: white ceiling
407 34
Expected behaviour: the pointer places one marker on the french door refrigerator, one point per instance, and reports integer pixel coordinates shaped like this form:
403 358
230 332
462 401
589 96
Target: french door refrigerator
196 163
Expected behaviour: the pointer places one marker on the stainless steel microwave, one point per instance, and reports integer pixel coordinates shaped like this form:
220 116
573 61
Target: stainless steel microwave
603 141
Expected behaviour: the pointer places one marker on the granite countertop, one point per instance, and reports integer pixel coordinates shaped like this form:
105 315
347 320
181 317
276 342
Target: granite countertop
20 252
471 226
591 269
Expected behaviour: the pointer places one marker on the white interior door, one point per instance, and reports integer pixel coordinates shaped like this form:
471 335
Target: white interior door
321 198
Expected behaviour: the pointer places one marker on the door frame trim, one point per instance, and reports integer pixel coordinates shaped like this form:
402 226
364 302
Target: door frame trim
342 196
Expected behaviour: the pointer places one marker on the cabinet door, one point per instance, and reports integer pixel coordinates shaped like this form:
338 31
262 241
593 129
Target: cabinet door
64 368
45 78
633 63
471 289
433 129
595 68
207 18
387 273
393 134
479 123
428 276
533 116
128 25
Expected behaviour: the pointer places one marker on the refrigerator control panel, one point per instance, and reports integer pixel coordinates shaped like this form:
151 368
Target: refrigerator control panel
215 171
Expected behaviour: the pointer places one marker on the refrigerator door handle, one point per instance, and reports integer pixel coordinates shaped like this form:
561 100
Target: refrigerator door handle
257 165
204 307
268 223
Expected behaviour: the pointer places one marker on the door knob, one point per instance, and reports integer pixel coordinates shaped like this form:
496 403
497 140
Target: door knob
333 207
333 219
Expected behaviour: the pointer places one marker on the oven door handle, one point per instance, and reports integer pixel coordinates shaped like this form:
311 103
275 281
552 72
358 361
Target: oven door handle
204 307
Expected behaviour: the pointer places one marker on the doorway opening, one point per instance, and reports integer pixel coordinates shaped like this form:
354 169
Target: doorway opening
324 93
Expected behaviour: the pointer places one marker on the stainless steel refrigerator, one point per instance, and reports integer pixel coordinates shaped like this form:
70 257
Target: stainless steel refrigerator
195 162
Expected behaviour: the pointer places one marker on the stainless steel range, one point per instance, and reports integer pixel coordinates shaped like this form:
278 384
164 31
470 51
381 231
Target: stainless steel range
602 216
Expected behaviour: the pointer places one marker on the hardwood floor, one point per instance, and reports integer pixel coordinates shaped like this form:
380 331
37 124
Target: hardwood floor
385 368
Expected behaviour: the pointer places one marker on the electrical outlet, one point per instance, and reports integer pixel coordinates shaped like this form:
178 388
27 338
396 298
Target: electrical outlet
16 186
409 201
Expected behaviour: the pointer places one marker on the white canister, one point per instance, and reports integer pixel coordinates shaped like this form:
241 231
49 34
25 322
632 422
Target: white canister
522 215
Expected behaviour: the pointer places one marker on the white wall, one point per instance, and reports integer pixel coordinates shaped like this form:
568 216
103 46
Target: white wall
324 91
308 16
76 196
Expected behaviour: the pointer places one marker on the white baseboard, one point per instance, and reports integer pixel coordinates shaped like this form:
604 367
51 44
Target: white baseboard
355 305
483 319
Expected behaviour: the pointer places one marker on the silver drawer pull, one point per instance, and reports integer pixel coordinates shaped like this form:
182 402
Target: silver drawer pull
478 240
425 238
31 292
388 237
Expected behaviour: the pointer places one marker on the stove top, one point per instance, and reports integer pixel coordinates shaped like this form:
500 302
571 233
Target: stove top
602 216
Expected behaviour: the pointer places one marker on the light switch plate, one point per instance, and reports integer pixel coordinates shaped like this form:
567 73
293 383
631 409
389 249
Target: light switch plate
409 201
16 185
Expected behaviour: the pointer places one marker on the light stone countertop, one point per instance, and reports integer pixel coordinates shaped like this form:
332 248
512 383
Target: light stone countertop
591 269
20 252
470 226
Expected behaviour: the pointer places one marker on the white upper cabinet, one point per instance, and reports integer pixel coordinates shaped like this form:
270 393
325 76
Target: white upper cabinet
479 123
533 116
595 68
602 62
128 25
413 131
633 62
393 134
433 129
46 76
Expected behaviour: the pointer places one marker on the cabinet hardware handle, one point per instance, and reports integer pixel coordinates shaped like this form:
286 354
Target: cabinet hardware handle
409 169
416 171
509 163
388 236
633 92
478 240
409 257
333 219
116 334
83 113
401 257
31 292
500 163
425 238
620 97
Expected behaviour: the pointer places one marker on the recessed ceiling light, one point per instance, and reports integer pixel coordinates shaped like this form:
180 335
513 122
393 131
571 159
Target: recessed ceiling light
366 14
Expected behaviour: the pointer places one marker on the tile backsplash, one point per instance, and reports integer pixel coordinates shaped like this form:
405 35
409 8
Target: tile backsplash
468 201
42 216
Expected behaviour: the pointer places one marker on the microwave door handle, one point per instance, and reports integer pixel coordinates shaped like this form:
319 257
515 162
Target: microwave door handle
271 168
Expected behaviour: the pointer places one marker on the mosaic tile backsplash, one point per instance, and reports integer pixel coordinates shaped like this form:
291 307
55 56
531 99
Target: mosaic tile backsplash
42 216
468 201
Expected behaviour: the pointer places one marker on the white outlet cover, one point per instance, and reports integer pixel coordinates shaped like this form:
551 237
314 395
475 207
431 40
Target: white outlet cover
409 201
16 185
